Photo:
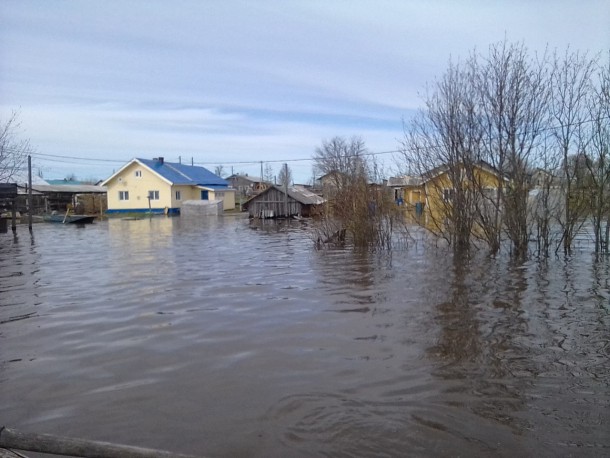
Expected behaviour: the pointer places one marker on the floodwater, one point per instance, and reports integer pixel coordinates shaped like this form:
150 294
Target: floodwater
226 339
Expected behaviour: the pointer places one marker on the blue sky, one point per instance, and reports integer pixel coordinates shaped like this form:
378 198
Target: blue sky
230 82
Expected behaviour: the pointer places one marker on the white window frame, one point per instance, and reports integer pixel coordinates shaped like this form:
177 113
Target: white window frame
178 195
138 174
123 195
153 195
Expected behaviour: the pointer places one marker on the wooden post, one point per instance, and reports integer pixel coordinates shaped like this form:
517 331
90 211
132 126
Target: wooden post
14 216
67 446
30 193
286 190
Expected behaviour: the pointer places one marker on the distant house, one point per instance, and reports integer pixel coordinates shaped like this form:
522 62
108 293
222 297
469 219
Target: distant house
144 185
329 183
275 203
541 178
407 190
247 185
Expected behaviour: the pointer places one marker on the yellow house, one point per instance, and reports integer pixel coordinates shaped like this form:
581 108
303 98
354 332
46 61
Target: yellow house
439 186
433 192
144 185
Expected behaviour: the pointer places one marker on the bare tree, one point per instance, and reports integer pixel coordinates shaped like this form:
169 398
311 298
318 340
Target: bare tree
284 177
514 96
14 151
598 153
571 86
268 173
446 137
356 207
523 119
219 170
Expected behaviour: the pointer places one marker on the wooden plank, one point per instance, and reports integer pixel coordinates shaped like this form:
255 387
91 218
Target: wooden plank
4 453
67 446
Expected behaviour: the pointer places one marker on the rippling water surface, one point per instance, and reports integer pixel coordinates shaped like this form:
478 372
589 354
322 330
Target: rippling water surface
229 340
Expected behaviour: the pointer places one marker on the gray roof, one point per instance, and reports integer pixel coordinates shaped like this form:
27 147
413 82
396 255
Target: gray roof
298 193
251 178
404 180
303 195
70 188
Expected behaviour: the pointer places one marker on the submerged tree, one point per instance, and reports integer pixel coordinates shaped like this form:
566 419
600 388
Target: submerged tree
514 94
571 89
521 116
356 206
598 152
446 137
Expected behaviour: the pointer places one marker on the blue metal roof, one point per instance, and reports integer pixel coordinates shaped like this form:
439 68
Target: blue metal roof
182 174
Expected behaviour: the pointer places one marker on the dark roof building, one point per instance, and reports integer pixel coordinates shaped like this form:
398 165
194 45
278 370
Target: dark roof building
276 203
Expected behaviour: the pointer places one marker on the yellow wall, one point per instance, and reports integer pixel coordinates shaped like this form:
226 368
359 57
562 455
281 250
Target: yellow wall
433 189
227 197
138 188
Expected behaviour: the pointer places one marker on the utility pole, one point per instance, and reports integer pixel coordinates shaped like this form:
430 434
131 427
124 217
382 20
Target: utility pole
262 172
286 189
30 192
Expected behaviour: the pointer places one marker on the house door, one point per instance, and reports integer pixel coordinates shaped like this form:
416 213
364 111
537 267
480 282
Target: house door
204 195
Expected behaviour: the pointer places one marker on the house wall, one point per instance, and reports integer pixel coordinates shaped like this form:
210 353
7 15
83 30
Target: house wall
271 204
138 188
187 192
227 196
435 203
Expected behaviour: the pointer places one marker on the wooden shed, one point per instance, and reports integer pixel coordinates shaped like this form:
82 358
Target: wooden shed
274 202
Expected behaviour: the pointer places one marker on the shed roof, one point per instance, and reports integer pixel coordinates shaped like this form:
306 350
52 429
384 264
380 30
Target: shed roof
405 180
298 193
70 188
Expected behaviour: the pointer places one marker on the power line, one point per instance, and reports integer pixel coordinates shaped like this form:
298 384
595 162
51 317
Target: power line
68 159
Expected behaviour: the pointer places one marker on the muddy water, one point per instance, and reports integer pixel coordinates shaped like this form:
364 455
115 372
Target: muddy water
231 340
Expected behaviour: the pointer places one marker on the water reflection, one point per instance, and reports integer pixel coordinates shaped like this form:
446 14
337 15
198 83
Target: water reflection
231 338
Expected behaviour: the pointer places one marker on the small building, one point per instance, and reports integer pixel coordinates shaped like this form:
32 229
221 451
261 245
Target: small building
330 183
83 198
407 190
275 203
144 185
246 185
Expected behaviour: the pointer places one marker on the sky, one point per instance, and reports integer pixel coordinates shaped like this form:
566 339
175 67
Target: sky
234 83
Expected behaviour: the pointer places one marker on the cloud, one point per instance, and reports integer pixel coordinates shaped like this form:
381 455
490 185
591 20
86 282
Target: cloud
242 80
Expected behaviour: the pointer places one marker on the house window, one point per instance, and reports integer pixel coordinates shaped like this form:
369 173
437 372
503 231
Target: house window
204 195
123 195
138 173
153 195
178 195
448 194
220 195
